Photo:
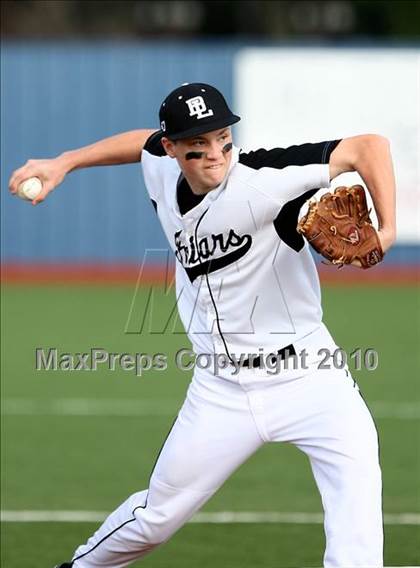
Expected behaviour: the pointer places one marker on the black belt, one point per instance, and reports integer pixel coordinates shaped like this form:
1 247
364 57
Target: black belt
287 351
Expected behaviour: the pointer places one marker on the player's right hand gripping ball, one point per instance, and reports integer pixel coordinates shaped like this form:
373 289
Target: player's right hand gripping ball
29 189
338 226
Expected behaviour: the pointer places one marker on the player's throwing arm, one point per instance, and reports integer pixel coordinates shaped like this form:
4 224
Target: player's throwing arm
123 148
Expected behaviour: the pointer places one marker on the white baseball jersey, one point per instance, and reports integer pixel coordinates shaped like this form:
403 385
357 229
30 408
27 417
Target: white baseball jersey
240 288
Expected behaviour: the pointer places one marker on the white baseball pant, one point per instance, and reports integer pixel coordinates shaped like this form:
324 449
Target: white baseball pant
220 425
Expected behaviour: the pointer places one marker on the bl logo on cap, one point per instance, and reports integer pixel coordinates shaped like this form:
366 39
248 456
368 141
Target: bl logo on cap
198 108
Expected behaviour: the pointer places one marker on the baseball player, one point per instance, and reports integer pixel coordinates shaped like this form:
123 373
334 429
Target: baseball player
248 291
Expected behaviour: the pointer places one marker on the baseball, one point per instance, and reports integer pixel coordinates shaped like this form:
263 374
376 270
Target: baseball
30 188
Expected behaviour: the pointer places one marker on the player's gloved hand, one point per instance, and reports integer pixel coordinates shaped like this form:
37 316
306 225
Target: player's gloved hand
51 172
338 226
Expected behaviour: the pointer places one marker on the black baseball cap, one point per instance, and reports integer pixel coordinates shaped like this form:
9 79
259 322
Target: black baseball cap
192 109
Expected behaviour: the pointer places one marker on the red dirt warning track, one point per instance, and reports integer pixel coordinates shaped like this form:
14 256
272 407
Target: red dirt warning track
119 274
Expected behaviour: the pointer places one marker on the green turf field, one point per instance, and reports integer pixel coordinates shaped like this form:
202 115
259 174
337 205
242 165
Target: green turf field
83 441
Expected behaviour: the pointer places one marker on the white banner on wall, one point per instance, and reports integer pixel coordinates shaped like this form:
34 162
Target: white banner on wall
289 96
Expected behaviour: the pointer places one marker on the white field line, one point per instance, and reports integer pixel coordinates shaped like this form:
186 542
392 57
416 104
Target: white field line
222 517
88 407
157 407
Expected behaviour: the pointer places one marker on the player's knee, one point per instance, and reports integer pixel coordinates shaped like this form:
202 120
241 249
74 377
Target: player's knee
156 525
361 453
157 531
360 476
365 459
151 526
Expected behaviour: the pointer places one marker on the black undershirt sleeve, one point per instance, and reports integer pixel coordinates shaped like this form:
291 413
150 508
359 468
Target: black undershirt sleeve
153 144
299 155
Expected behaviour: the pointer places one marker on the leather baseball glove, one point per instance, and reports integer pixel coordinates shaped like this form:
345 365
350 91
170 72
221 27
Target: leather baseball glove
338 226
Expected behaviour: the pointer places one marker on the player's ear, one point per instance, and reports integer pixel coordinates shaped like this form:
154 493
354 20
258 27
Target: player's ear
169 146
